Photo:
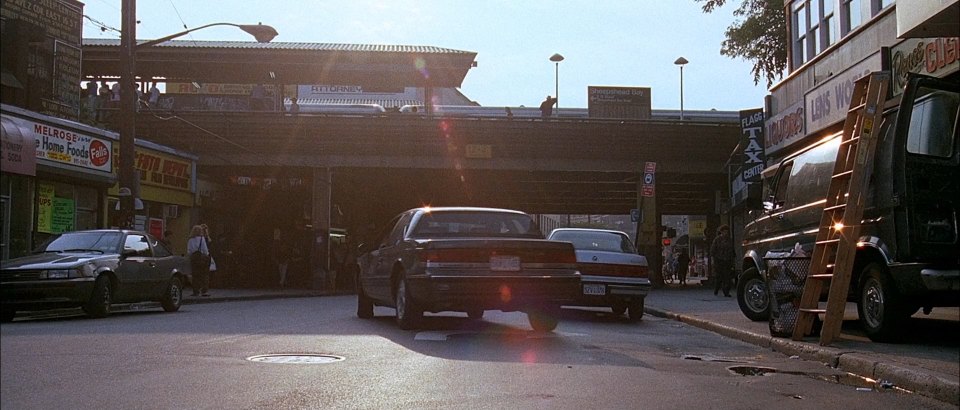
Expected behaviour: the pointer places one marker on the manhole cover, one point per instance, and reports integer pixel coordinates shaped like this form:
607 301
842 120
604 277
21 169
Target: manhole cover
296 358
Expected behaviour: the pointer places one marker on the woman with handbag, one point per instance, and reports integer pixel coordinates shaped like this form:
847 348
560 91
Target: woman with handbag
199 260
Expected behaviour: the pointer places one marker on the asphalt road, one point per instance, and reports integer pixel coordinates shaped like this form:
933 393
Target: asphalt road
198 358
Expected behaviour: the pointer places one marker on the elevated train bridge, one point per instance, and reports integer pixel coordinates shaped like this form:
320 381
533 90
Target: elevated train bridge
370 167
357 171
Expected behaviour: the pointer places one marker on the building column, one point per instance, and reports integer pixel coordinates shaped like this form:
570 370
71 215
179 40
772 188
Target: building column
320 219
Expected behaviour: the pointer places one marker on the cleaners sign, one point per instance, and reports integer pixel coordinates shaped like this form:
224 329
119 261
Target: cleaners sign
69 147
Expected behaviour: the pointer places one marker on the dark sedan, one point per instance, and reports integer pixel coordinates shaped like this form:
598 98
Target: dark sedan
93 270
466 260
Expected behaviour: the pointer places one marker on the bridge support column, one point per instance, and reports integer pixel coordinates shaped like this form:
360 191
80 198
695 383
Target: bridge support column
320 219
648 234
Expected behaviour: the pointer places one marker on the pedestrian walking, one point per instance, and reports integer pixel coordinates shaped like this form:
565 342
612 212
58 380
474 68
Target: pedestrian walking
212 271
683 264
281 256
721 250
167 235
199 260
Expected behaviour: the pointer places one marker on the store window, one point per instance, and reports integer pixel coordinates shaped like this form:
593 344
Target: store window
815 28
63 207
851 15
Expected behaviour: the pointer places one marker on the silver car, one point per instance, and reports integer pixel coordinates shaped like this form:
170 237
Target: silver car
612 272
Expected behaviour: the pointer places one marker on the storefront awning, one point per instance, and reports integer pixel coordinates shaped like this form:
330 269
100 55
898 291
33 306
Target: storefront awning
19 152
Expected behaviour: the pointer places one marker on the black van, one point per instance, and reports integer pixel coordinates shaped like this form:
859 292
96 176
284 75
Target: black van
908 256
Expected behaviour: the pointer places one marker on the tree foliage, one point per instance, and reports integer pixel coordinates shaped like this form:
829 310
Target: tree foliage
759 35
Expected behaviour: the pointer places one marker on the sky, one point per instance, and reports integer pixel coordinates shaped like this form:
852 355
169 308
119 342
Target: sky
624 43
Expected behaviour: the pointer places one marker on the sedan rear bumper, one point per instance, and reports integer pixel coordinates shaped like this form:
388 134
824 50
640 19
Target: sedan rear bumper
437 293
612 290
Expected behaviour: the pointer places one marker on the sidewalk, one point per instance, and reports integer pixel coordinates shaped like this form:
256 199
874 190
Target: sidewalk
928 364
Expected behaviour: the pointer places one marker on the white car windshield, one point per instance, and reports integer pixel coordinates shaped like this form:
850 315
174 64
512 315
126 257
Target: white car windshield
596 241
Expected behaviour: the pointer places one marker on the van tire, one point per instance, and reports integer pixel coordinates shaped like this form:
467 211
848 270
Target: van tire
752 295
880 310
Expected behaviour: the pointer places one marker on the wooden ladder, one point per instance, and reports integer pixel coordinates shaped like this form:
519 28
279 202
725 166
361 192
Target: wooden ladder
836 245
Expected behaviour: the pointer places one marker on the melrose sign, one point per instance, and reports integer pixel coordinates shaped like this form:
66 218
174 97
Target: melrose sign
69 147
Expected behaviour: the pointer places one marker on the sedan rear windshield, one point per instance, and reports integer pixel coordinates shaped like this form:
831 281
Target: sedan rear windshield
475 224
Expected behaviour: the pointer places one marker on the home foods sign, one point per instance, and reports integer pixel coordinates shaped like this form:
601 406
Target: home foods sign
69 147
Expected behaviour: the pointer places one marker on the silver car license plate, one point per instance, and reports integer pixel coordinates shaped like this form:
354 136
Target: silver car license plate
505 263
594 289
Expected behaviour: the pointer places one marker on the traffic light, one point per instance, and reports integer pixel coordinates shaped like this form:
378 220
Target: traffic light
666 241
671 232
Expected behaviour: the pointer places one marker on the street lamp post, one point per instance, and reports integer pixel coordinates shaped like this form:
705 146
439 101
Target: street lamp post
681 62
128 99
556 58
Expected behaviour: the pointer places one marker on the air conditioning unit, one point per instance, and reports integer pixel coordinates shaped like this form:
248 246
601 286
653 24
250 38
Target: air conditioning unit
171 211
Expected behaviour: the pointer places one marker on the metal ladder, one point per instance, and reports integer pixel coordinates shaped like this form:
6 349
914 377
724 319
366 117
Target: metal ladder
835 249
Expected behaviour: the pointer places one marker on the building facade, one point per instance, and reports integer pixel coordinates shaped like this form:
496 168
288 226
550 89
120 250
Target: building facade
59 170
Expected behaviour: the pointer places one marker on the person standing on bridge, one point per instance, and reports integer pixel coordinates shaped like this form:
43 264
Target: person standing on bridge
546 107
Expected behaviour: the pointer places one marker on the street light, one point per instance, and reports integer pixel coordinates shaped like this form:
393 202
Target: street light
262 33
680 62
128 97
556 58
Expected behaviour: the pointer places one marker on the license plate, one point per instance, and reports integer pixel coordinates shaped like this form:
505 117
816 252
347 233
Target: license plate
593 289
505 263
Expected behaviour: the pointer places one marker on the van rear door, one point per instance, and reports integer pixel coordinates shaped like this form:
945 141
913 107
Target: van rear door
927 129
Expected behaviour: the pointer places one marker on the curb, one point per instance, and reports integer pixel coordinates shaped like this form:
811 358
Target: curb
195 300
938 388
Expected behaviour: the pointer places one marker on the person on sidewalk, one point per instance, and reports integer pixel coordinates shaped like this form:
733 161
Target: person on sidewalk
721 250
199 260
281 256
683 263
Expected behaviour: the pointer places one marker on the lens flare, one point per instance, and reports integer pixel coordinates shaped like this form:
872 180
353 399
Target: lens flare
506 294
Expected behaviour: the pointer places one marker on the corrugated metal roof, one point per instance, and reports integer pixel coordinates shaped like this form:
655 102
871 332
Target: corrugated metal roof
364 48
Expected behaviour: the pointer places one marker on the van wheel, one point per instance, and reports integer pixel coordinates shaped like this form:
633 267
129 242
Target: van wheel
752 296
881 314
